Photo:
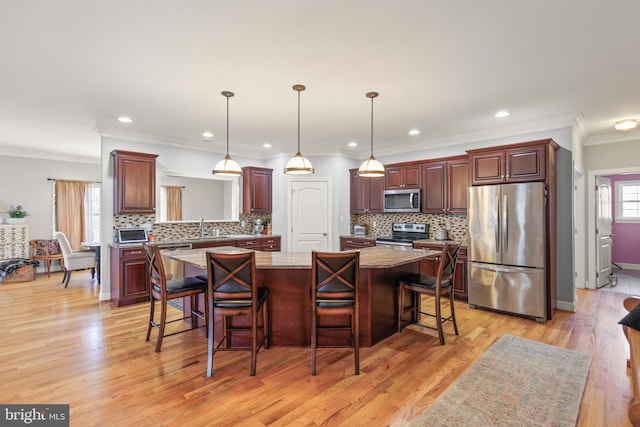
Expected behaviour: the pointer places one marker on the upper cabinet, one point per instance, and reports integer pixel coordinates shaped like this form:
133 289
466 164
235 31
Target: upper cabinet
512 163
366 193
256 190
134 179
402 177
444 185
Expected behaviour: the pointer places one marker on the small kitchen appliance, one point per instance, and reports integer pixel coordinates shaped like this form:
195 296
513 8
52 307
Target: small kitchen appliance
257 226
359 230
442 233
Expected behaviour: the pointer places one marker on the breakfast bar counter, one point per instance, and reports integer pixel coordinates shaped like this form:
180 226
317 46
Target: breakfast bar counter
288 277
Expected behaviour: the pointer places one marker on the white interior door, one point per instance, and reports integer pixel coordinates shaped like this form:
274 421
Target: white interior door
310 216
603 230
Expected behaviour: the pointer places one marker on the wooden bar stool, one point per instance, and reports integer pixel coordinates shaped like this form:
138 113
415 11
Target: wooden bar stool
440 286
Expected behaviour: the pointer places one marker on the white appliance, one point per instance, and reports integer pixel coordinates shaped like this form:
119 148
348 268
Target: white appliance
506 248
402 200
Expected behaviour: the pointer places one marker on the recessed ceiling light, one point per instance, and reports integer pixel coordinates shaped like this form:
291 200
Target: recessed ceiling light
353 144
414 132
207 134
501 114
626 124
125 119
266 145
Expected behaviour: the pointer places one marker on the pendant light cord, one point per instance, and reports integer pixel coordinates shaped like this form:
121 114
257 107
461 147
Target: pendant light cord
227 125
372 126
298 121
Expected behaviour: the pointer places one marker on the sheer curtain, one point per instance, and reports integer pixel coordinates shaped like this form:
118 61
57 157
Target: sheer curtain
174 203
70 210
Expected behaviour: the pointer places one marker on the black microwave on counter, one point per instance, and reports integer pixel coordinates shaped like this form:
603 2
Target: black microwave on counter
402 200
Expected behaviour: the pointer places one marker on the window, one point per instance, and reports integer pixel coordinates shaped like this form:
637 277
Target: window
628 201
92 212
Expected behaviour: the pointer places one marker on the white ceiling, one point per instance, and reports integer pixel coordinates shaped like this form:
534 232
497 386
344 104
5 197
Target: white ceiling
69 68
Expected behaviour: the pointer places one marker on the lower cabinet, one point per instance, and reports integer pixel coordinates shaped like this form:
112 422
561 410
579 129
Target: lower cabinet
429 267
348 243
270 244
129 284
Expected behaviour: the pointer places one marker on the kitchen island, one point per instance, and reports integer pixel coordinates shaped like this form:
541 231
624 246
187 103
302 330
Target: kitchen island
288 277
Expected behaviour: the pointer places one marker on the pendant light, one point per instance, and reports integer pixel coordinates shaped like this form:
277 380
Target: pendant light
371 167
298 165
227 166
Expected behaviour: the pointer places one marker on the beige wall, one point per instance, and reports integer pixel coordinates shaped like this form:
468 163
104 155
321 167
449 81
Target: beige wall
612 156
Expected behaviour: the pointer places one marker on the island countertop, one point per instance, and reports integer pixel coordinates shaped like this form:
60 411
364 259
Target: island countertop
373 257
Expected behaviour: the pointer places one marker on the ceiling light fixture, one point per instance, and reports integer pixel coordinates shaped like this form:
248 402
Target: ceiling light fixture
266 145
414 132
502 114
371 167
227 166
207 135
353 144
125 119
298 165
626 124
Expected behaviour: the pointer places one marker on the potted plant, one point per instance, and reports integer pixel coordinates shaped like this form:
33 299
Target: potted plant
17 215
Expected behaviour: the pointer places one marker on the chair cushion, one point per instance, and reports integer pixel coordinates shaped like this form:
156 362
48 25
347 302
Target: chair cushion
423 281
181 285
52 246
342 302
241 302
632 319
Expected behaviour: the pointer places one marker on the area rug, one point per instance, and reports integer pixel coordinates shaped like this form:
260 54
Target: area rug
517 382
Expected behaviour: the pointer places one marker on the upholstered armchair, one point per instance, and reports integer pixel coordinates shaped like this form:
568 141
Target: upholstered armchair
74 260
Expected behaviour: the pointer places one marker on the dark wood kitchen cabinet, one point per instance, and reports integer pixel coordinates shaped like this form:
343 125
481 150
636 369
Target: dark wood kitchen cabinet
429 267
348 243
129 284
402 177
366 193
256 190
444 185
134 179
511 163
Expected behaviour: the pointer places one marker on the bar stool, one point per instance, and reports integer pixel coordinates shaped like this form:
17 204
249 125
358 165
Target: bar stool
439 286
334 292
234 291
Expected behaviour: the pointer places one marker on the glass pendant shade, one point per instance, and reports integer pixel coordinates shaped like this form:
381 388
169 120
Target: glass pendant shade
298 165
227 166
371 167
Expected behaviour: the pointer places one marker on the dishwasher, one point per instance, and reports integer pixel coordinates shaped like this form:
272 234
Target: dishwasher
173 269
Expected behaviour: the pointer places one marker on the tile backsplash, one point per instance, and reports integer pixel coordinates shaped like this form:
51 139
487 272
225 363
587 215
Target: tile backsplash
177 231
455 224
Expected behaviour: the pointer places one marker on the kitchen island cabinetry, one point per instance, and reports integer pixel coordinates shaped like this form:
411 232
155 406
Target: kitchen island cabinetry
366 193
134 180
129 284
444 185
349 243
511 163
402 177
429 267
288 278
256 190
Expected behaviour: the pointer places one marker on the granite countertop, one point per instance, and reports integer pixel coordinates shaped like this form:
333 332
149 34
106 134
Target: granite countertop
369 257
439 242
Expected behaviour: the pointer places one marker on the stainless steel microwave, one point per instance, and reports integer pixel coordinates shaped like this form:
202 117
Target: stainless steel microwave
402 200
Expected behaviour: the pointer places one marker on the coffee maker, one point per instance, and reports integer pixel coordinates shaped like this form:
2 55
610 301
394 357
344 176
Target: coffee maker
257 226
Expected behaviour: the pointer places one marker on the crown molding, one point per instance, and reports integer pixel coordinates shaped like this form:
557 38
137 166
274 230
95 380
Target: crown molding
48 155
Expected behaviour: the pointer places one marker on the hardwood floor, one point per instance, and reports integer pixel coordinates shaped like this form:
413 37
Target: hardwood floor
63 346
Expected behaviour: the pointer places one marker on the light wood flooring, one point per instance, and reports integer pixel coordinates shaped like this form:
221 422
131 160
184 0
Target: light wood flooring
63 346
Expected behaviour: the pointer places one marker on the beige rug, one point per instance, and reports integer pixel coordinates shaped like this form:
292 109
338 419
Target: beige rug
517 382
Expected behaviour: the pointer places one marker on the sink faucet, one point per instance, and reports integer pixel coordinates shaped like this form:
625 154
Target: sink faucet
201 227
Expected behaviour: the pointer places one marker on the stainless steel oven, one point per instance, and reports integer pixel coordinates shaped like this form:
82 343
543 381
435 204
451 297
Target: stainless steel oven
403 235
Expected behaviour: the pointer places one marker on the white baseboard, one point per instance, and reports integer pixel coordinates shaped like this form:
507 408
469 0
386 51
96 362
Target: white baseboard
627 266
566 306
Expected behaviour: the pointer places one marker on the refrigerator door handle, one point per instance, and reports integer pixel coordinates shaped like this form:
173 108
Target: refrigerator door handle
497 227
505 223
501 269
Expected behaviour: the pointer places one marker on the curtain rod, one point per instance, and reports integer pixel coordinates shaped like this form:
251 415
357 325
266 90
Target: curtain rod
58 179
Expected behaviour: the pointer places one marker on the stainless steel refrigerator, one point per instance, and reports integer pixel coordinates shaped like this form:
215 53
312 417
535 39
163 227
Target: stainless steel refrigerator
506 248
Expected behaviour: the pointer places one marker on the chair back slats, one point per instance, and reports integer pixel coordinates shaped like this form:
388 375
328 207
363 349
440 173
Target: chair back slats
233 275
157 277
335 276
